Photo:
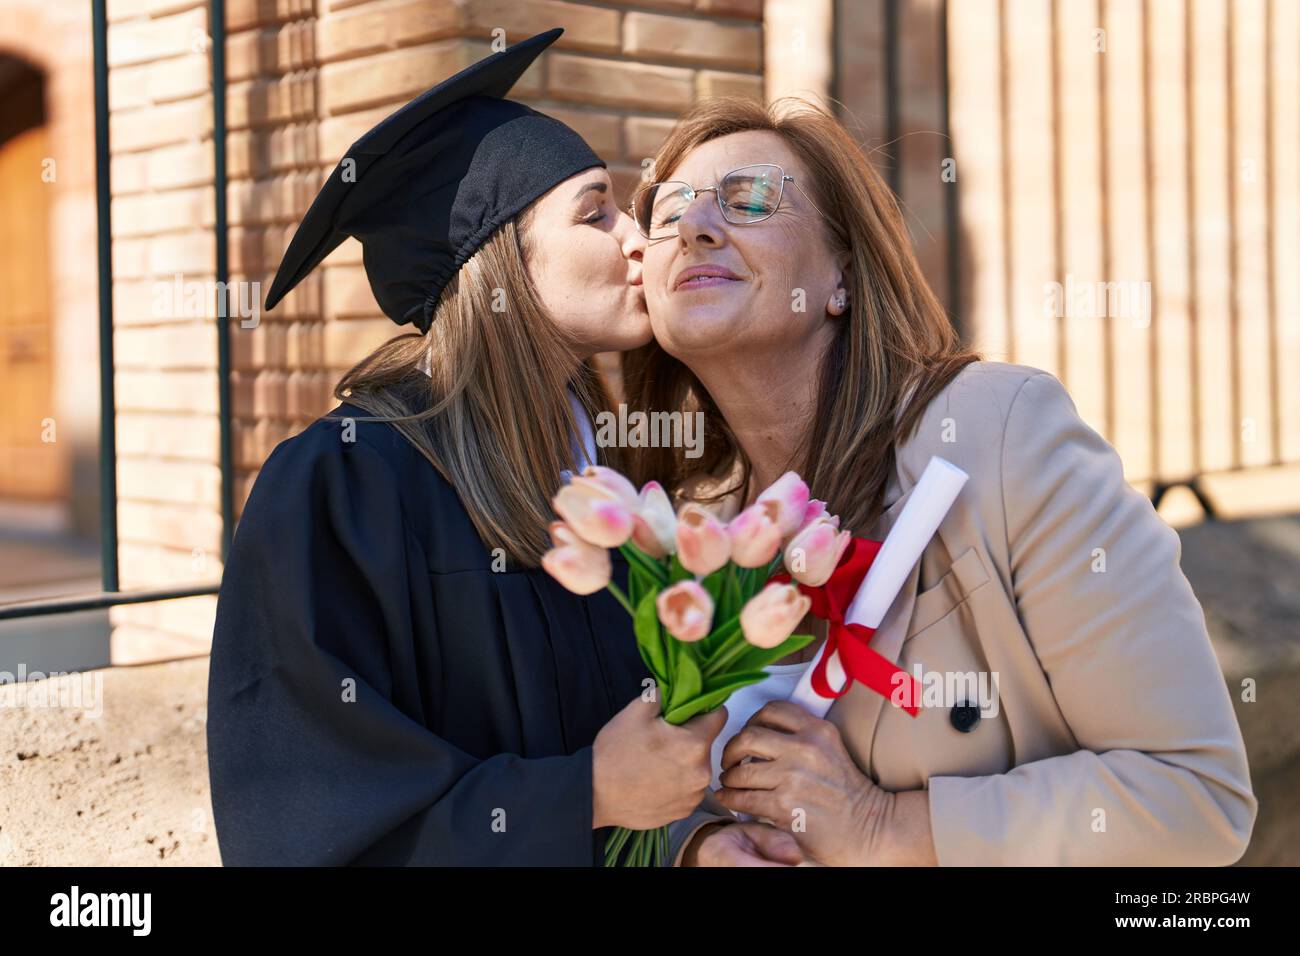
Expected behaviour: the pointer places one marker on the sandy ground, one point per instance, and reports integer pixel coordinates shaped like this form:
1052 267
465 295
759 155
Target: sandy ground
129 786
118 779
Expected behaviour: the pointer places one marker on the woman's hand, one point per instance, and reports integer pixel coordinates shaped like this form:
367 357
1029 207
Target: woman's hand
645 772
803 780
741 844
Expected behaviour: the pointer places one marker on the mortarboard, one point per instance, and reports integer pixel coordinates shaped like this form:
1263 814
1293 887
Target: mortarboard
424 189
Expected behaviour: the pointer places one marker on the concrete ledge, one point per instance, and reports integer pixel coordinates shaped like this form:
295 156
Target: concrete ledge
118 779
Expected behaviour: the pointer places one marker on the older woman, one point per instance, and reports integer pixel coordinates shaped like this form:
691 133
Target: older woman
1073 709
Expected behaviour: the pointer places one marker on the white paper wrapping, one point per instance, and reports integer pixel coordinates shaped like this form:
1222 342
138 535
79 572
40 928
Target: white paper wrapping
929 502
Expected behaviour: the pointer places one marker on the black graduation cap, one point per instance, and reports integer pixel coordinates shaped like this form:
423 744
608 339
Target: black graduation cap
424 189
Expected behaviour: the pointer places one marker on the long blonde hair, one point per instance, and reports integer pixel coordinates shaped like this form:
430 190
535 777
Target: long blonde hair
499 426
896 334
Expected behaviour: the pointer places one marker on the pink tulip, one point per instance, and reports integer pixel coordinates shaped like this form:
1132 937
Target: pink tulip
579 566
816 509
755 535
703 544
594 512
771 615
654 525
815 551
685 610
612 481
790 495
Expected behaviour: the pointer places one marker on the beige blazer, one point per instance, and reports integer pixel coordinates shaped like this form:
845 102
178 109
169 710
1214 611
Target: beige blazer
1113 740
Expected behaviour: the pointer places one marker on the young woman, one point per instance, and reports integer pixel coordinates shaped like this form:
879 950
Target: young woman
1107 735
394 680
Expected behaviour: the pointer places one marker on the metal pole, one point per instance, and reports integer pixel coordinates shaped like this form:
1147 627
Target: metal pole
217 13
90 602
107 392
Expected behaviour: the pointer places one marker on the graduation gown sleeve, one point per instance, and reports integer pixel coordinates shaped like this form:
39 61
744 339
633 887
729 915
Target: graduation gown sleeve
319 749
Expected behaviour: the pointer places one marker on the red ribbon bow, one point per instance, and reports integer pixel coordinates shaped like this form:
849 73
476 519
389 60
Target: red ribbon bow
830 602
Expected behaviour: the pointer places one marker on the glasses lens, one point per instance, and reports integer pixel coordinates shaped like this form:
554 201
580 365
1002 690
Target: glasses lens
751 193
658 206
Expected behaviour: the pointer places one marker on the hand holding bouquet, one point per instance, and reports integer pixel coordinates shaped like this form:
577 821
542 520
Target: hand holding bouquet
706 618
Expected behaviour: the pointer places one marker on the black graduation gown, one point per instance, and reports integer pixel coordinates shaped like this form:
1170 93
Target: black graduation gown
378 694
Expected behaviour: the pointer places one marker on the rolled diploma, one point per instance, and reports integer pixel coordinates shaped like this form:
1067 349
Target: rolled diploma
930 500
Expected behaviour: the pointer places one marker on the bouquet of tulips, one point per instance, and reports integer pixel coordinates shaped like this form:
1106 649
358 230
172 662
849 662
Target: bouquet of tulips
706 618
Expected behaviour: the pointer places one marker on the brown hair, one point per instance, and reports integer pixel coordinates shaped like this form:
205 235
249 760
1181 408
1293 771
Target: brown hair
895 335
499 422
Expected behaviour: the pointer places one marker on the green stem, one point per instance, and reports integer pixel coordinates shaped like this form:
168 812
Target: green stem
742 577
647 564
734 647
615 590
614 845
647 845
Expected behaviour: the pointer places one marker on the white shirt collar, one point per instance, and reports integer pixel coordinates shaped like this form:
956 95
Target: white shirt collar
584 451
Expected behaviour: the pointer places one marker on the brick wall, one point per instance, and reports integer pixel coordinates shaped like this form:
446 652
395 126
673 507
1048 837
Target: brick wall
160 129
305 79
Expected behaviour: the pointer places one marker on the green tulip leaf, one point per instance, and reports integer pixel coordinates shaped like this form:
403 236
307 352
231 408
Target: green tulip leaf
653 568
687 679
713 583
649 638
720 635
676 572
756 658
730 601
713 697
638 583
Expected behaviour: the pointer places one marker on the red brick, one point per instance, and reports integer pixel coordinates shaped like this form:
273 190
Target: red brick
665 89
243 14
157 435
152 126
304 345
600 130
748 9
586 27
347 292
644 135
713 83
337 133
385 25
179 482
392 77
191 345
150 391
174 526
348 342
188 164
138 41
691 40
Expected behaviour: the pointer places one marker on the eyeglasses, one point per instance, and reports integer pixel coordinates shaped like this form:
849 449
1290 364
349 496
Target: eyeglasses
746 195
